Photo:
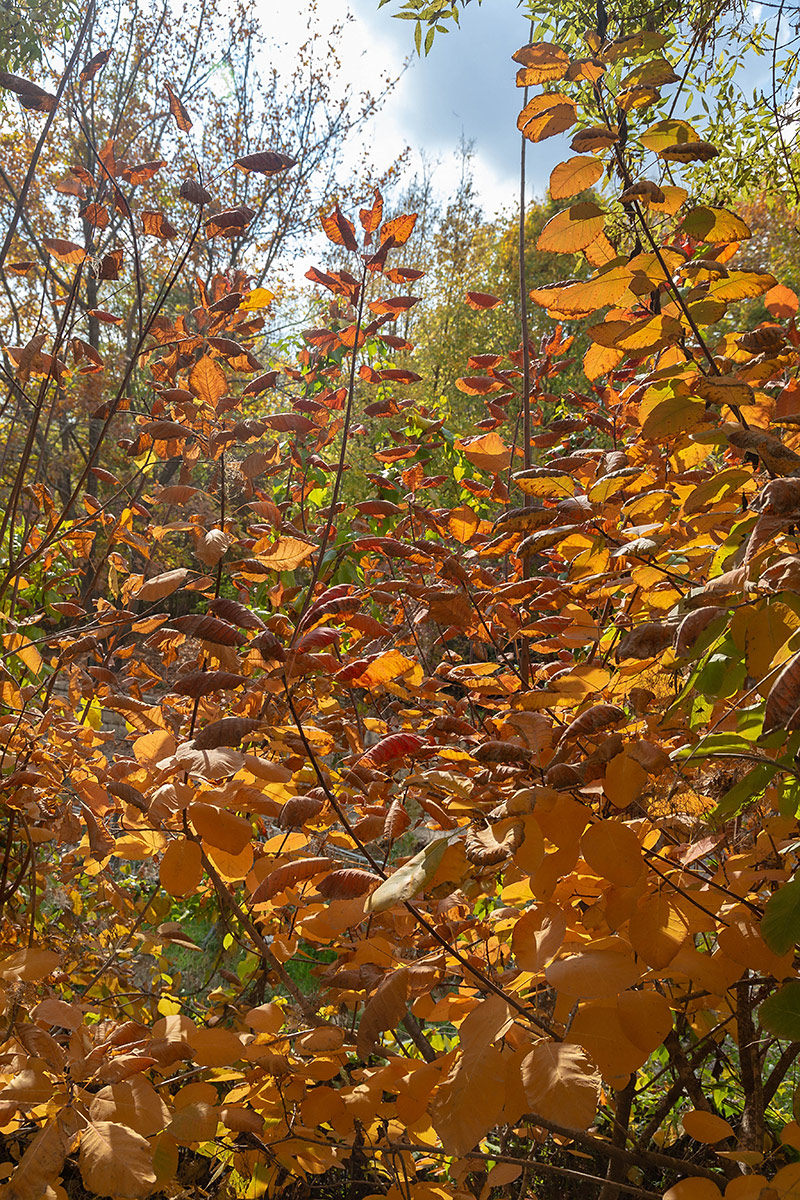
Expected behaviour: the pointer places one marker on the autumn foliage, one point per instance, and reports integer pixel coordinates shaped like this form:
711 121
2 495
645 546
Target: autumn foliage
494 801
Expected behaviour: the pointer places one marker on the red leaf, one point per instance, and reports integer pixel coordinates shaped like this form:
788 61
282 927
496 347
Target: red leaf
236 613
256 386
396 745
395 306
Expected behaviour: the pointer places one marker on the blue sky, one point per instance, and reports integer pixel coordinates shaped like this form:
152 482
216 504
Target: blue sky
464 88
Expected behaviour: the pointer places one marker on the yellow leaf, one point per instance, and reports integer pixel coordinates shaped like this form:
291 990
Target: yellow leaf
705 1126
259 298
668 133
181 868
538 935
593 974
694 1188
573 229
24 650
575 175
674 197
561 1084
713 225
657 930
469 1102
624 780
579 298
286 554
546 115
613 851
541 62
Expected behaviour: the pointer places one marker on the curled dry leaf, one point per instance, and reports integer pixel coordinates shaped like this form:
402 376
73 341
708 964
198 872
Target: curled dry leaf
385 1009
287 876
693 625
176 107
210 629
204 683
231 222
195 193
485 849
783 702
265 162
347 883
645 641
31 96
212 546
230 731
502 752
593 720
299 809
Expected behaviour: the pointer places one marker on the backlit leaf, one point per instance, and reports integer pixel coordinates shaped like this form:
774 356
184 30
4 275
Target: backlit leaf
575 175
572 230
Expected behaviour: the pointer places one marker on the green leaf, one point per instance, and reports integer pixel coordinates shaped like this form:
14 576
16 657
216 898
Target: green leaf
748 789
780 1013
780 925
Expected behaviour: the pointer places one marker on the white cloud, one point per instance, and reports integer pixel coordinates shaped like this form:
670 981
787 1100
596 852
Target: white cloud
463 90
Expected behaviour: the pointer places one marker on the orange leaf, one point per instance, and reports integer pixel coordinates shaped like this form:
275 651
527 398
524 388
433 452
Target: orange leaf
182 118
546 115
541 62
575 175
399 229
573 229
338 229
706 1126
781 301
65 252
561 1084
482 300
181 868
613 851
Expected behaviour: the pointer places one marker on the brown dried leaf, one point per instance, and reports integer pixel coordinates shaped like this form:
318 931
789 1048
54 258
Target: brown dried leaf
182 118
